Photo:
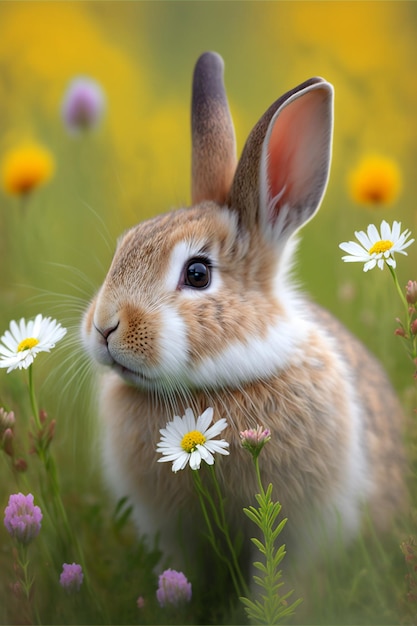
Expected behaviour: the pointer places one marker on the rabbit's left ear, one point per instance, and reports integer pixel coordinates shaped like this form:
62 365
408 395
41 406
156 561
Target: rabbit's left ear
283 171
213 136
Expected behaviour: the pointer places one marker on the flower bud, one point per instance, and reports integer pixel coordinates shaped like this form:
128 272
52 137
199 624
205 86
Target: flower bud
7 441
255 439
50 432
20 465
411 292
7 420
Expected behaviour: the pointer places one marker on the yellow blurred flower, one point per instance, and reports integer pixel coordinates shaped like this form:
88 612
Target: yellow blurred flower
375 181
26 167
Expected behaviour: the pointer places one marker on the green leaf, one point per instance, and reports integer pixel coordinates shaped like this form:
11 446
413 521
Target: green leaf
259 545
253 516
122 513
260 566
280 527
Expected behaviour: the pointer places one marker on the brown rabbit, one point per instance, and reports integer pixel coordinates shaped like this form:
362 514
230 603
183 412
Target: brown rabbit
199 310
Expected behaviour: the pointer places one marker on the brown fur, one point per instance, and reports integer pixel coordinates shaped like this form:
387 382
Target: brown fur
303 460
383 425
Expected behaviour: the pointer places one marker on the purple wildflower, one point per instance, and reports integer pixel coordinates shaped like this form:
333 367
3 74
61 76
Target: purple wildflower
83 104
22 518
71 577
173 589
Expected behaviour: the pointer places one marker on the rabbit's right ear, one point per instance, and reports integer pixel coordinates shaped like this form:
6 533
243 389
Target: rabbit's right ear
283 171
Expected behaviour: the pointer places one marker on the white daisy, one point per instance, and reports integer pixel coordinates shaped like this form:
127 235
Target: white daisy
377 248
187 439
24 340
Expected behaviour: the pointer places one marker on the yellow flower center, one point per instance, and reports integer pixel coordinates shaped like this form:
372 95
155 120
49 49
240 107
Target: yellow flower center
381 246
191 440
27 344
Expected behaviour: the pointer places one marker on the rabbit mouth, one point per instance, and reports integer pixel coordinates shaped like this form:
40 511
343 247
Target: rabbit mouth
138 379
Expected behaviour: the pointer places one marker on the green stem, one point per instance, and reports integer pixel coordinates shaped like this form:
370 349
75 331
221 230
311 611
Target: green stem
258 476
220 521
400 292
24 564
200 491
225 529
53 483
27 583
212 537
33 402
413 351
270 607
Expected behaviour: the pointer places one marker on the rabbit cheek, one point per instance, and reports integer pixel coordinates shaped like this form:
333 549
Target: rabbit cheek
150 345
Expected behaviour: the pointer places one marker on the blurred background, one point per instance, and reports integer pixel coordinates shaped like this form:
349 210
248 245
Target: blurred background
57 236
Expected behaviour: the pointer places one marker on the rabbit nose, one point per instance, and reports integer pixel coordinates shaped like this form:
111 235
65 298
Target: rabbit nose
105 332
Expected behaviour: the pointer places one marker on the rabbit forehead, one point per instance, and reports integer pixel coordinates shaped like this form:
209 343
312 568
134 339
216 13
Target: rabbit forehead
149 254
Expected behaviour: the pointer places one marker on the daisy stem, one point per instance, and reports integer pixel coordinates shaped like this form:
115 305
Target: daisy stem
225 529
233 566
403 298
201 494
33 402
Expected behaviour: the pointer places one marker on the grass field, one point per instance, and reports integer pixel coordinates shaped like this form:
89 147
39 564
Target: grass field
56 244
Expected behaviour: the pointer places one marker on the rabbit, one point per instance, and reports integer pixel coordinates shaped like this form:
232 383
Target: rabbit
240 336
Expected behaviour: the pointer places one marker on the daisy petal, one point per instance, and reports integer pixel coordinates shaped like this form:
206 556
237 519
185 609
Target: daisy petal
218 446
353 248
204 420
369 265
363 238
373 234
189 420
386 230
180 463
216 429
195 460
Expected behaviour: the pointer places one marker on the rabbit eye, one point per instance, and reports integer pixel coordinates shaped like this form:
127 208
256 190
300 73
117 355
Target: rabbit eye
197 273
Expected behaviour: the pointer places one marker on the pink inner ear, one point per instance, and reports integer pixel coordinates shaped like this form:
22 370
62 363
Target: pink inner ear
295 149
